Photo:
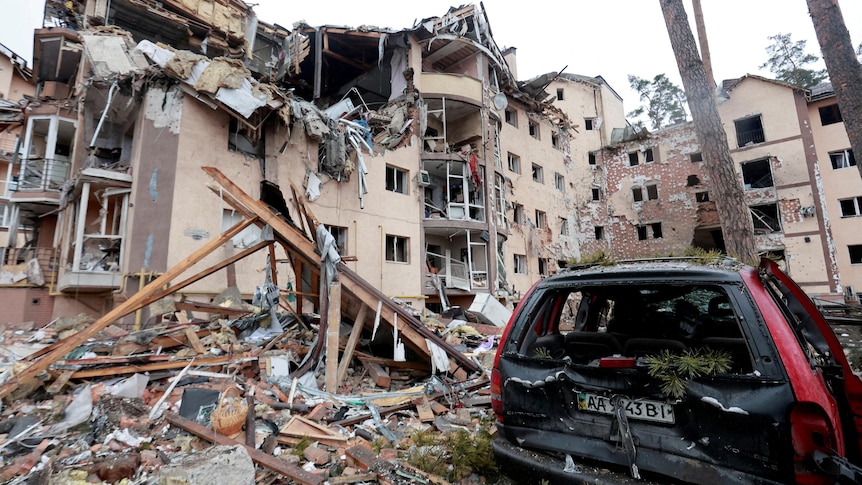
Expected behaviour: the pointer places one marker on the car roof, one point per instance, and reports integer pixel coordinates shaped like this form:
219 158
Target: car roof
645 270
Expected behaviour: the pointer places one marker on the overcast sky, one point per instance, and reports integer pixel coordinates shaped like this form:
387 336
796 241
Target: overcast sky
611 38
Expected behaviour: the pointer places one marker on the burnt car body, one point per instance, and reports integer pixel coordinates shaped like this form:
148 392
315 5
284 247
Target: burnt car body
579 379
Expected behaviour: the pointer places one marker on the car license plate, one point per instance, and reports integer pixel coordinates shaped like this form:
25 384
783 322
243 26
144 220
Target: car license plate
641 409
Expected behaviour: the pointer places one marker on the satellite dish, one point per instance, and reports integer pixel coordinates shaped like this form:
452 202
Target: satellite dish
500 101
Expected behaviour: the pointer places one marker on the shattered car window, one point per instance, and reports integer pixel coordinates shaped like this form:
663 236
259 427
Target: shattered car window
589 323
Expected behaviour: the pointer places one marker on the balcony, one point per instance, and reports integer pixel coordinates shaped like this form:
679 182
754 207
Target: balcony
454 192
451 85
456 259
43 174
28 266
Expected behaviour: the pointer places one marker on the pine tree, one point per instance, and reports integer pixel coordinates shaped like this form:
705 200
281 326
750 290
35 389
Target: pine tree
664 101
788 61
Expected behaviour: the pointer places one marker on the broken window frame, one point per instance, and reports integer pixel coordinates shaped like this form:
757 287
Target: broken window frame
559 182
534 130
514 162
396 179
541 219
555 140
766 218
38 172
247 237
752 178
518 216
465 200
842 159
538 173
339 233
749 131
851 207
564 226
116 233
500 202
397 249
519 263
511 116
692 180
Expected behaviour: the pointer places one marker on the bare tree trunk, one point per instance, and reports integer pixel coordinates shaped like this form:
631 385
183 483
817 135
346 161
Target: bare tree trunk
845 72
704 44
724 184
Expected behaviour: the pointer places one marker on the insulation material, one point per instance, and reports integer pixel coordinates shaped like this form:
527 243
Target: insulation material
181 63
110 55
222 73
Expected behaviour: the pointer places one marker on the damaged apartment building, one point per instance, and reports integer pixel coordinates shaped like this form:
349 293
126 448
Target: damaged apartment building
651 191
440 177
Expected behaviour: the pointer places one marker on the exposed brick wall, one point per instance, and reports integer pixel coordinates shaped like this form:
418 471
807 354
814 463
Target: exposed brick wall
26 305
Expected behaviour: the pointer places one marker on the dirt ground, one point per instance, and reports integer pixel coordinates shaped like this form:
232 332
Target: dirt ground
850 337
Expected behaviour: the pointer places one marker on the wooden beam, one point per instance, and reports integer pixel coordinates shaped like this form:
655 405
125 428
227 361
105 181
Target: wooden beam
203 274
377 373
194 341
132 369
333 328
277 465
347 356
353 286
132 304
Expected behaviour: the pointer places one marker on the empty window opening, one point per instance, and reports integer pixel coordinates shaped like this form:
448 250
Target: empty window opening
560 94
765 218
642 233
696 157
397 249
564 226
637 194
656 230
541 219
692 181
243 139
855 253
851 207
589 124
534 129
543 267
597 193
701 196
842 159
600 233
520 264
647 230
559 182
830 114
538 174
514 163
591 158
633 159
555 140
757 174
511 117
649 156
749 131
652 192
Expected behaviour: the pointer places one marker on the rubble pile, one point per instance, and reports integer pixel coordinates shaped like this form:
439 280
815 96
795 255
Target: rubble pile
220 401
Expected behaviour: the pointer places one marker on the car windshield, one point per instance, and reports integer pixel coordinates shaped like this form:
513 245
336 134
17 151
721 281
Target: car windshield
591 322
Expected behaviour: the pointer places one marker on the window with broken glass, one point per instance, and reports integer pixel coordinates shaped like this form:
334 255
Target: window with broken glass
851 207
765 218
340 236
538 173
397 249
518 214
634 159
830 114
842 159
511 117
541 219
514 163
559 182
534 130
396 180
520 266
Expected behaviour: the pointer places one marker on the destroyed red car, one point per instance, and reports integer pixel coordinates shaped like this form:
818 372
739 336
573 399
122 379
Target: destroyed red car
702 373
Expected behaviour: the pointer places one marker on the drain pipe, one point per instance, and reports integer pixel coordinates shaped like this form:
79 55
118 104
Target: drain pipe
114 87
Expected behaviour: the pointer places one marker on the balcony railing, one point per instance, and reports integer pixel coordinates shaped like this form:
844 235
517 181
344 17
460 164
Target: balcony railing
43 174
750 137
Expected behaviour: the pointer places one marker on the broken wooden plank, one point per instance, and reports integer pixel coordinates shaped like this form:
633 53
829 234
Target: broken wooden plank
353 286
347 356
269 462
333 328
60 382
131 369
194 341
359 477
135 302
377 373
423 408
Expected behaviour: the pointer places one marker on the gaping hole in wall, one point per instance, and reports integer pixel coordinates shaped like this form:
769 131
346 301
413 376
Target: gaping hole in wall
757 174
765 218
242 139
708 238
45 162
453 192
692 181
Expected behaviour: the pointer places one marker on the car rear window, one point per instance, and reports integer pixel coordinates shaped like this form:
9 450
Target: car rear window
591 322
